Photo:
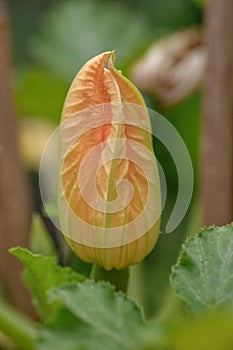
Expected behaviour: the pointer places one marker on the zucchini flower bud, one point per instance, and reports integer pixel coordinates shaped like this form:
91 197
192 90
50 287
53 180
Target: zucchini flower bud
109 191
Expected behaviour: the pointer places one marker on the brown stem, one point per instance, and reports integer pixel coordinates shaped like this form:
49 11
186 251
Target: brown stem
14 193
217 146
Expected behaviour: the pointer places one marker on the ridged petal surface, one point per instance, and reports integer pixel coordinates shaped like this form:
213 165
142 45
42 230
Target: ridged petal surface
105 112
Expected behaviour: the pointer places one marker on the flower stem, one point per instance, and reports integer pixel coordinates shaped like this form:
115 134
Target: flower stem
18 328
119 278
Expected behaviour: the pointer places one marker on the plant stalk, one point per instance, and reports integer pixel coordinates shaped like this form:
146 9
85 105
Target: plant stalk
119 278
217 138
18 328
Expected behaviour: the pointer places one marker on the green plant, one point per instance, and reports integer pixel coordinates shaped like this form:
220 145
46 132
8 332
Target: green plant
78 313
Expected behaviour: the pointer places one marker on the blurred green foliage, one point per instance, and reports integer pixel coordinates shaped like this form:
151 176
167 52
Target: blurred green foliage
156 267
201 3
76 31
29 17
39 93
39 239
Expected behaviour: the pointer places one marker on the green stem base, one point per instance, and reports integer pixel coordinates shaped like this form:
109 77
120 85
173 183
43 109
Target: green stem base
119 278
17 327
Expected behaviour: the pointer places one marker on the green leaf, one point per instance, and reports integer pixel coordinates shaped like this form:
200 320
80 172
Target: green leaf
93 316
42 274
203 276
40 241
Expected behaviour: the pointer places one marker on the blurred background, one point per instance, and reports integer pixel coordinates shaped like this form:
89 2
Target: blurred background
159 46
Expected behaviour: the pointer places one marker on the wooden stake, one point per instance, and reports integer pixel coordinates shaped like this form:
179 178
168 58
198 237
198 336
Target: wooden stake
217 145
14 193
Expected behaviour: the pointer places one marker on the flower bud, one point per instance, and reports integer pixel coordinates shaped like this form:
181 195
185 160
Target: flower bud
109 191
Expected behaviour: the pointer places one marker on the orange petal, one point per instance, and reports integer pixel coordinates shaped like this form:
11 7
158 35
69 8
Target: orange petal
95 86
90 87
